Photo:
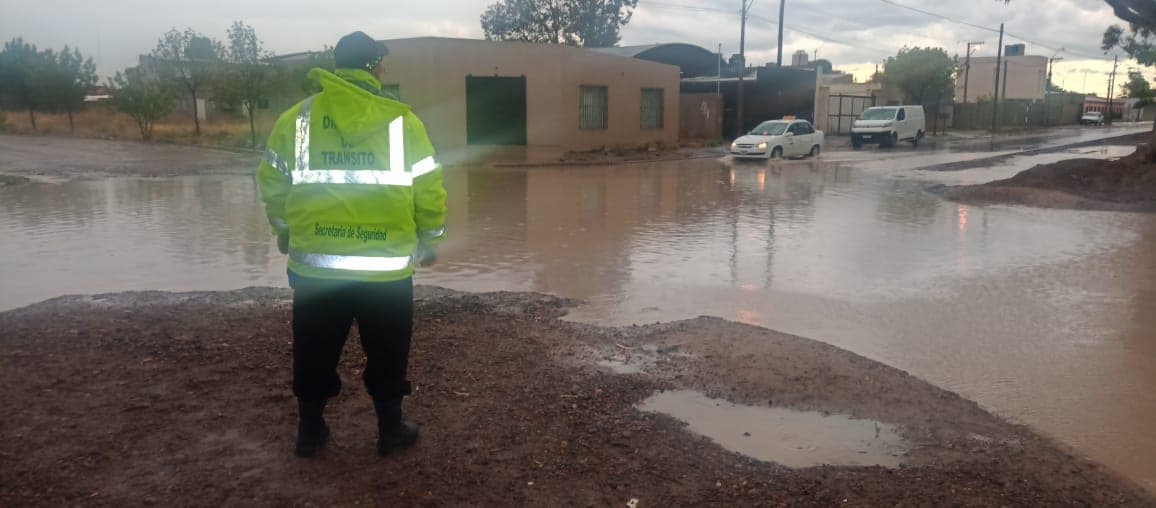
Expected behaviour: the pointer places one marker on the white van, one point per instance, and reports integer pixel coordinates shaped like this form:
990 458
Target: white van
888 125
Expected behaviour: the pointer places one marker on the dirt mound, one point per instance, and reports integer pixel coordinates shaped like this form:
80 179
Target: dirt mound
1126 184
183 398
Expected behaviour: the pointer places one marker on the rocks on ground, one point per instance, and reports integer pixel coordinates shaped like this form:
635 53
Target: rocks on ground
149 398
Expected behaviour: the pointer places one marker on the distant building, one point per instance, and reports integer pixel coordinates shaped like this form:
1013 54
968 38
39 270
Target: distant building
1021 78
1100 104
1014 50
799 59
692 61
473 94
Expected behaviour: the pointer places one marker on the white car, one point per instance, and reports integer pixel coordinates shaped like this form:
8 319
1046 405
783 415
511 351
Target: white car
1092 118
779 139
889 125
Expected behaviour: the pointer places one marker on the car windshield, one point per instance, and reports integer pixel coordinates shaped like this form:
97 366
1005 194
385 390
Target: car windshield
878 114
770 129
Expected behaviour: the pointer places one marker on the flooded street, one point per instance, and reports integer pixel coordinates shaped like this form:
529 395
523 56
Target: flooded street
1046 317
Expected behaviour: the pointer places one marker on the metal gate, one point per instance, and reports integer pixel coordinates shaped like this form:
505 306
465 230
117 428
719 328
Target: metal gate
842 110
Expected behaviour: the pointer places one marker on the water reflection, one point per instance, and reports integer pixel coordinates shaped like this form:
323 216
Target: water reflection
1045 316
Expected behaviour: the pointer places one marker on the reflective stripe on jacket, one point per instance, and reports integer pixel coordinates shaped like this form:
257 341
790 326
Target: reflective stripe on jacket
351 177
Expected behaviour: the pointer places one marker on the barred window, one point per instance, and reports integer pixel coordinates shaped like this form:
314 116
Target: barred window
652 108
593 107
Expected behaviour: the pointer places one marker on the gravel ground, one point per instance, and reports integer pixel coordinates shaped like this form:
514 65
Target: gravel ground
183 398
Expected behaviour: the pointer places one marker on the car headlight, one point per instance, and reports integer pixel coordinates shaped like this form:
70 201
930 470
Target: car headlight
762 146
734 145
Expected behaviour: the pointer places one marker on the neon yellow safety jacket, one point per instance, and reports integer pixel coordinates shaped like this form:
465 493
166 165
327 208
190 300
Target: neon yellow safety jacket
350 176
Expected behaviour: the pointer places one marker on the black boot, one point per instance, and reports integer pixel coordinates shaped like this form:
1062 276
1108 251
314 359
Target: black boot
312 433
393 433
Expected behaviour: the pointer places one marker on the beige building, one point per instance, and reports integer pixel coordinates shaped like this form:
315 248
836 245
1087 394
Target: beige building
483 94
1026 79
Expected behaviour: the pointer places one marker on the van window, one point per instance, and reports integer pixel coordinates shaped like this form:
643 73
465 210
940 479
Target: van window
902 115
878 114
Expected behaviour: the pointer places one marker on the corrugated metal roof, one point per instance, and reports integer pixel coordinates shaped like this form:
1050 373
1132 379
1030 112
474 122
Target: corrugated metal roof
629 51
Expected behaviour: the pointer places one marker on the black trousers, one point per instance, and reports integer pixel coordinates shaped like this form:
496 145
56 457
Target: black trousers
323 312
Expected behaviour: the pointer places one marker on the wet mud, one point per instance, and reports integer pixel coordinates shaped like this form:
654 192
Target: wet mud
1126 184
152 397
54 158
1020 150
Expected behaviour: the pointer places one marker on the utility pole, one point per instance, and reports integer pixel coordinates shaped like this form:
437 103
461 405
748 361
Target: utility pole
966 67
995 89
1047 103
1111 85
743 62
1005 80
718 83
782 9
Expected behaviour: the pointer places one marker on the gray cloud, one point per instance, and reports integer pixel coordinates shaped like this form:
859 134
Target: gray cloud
867 30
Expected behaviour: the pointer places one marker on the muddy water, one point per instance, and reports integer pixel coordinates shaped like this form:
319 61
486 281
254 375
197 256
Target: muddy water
791 438
1047 317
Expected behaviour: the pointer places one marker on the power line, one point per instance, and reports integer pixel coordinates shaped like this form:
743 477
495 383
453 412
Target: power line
817 36
940 16
690 7
990 29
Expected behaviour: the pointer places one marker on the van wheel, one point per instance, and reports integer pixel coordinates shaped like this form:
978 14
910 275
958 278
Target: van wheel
777 153
815 151
915 140
894 142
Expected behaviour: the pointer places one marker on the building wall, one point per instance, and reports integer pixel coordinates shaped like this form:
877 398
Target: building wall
701 116
1026 78
431 73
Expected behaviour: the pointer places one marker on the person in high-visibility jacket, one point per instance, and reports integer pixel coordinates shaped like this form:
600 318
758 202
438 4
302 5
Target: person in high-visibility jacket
355 197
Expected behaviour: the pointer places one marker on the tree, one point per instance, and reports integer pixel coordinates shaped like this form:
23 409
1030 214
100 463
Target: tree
246 79
18 61
1139 42
61 80
589 23
190 59
1138 87
825 65
145 100
922 74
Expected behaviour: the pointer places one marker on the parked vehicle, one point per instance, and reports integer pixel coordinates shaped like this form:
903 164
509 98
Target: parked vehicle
887 126
779 139
1092 118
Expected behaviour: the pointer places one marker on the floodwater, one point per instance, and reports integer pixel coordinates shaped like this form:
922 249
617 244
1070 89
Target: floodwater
1046 317
789 437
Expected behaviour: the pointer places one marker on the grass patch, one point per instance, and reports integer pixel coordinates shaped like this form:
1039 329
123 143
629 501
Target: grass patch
223 130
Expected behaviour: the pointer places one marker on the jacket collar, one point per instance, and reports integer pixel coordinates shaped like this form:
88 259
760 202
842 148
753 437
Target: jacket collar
362 79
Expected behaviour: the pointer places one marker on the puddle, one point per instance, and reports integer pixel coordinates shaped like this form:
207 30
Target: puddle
621 368
789 437
1008 168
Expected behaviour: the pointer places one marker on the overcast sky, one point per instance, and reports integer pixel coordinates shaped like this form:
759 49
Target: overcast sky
862 32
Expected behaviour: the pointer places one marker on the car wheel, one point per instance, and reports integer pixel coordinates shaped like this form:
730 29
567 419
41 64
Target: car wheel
815 151
777 153
856 143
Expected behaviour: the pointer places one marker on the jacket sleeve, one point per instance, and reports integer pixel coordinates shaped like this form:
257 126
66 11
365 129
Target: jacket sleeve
429 194
274 175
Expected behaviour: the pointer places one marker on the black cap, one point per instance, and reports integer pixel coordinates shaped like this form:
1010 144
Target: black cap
358 51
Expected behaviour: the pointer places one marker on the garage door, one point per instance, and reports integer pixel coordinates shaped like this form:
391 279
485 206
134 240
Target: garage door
495 110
